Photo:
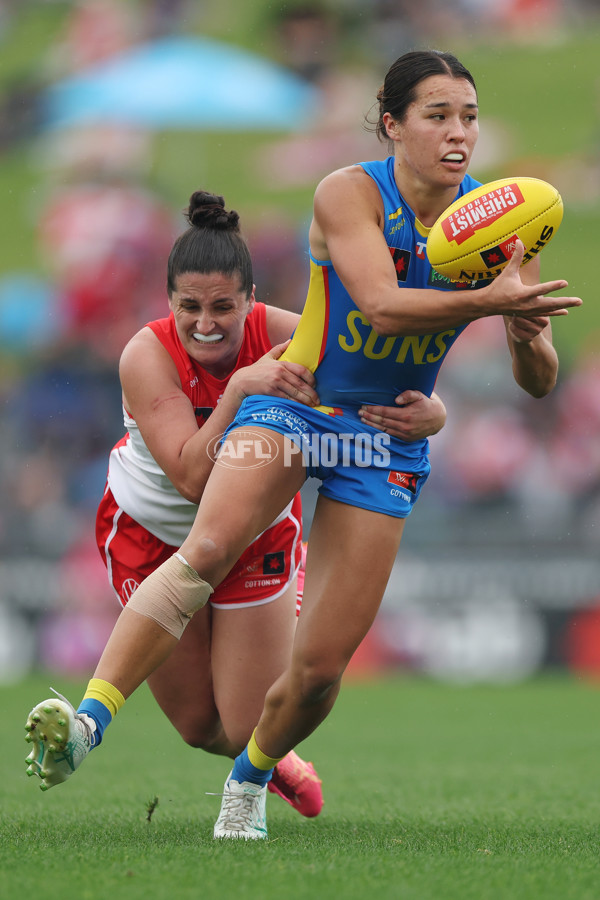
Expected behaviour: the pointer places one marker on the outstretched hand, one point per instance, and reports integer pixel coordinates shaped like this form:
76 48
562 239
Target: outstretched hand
507 295
277 378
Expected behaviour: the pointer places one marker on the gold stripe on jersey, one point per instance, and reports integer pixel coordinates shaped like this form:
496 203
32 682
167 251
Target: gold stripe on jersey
423 230
310 336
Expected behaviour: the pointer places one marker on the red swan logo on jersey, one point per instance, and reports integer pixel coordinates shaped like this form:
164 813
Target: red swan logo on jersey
481 212
406 480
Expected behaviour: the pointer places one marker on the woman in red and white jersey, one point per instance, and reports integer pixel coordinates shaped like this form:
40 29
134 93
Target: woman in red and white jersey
184 378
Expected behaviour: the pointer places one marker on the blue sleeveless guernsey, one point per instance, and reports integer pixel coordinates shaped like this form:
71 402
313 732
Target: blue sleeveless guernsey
353 365
355 463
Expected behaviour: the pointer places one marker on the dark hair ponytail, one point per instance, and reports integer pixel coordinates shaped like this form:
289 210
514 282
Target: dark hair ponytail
212 243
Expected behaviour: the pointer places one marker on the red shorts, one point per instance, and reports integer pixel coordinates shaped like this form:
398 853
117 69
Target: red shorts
264 571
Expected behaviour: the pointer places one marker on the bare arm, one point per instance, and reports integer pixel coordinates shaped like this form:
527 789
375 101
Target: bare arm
534 359
280 324
152 394
347 228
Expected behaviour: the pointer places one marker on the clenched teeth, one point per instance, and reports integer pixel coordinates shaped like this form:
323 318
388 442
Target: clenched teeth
207 338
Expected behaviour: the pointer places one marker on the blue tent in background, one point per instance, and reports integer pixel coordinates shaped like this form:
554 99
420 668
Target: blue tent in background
182 83
29 312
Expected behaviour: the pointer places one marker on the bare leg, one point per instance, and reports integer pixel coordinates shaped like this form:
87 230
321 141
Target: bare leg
137 646
237 505
212 687
251 647
183 688
350 556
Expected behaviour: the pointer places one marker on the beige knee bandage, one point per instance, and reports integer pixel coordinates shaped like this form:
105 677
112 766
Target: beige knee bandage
171 595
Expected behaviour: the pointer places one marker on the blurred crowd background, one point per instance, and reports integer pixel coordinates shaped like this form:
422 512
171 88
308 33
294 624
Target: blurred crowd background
111 114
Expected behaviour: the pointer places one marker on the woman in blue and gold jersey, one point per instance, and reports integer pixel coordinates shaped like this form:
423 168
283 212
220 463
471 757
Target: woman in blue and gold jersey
376 321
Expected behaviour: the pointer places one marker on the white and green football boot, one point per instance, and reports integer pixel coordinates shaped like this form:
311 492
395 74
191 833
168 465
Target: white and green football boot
243 811
61 740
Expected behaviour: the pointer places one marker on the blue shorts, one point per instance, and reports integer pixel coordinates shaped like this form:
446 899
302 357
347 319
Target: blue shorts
356 464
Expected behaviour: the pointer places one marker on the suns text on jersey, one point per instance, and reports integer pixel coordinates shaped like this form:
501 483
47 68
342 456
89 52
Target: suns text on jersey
419 349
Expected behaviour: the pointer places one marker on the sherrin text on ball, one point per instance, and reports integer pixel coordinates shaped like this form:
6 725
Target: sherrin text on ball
475 237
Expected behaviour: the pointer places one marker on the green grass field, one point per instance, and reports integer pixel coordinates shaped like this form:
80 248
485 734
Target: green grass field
432 793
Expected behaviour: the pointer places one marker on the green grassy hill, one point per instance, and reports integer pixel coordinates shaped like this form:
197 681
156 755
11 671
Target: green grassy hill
545 99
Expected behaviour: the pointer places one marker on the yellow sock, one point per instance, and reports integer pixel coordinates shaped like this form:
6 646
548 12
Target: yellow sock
105 693
259 759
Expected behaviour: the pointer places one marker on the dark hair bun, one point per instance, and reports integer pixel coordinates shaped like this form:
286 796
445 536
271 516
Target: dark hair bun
208 211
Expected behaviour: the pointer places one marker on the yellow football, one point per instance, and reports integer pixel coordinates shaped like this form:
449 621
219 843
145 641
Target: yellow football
475 237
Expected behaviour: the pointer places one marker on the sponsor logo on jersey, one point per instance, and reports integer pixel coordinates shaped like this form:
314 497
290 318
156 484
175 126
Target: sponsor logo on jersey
262 582
401 262
274 563
396 220
438 281
128 588
406 480
203 412
459 226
